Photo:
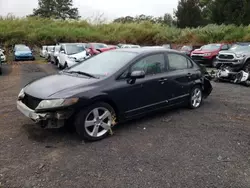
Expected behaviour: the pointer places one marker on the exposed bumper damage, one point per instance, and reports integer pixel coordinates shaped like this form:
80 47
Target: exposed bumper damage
46 119
229 74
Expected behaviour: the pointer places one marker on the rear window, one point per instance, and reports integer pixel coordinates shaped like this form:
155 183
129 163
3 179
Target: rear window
99 45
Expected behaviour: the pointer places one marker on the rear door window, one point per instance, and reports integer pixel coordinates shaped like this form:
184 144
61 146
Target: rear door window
178 62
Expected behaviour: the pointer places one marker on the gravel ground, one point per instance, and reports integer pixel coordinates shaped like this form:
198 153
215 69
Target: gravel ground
207 147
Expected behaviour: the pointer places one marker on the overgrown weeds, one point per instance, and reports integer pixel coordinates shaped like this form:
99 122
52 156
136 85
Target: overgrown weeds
39 31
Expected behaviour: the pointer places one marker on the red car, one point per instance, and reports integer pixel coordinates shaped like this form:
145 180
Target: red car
207 53
96 48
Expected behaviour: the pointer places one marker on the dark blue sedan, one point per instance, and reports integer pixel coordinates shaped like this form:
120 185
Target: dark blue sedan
23 52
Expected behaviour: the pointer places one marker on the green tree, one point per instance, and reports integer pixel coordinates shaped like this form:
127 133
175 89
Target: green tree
59 9
189 14
226 12
168 19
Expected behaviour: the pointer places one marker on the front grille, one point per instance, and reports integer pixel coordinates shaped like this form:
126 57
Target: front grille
197 57
226 56
31 102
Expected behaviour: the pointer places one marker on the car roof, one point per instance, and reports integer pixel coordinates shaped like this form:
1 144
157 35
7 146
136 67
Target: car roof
146 50
243 43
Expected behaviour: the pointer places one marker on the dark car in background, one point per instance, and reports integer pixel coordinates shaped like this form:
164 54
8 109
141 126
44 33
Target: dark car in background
207 54
112 87
23 52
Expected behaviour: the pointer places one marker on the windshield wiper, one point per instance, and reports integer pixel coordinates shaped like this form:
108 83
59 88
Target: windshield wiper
82 73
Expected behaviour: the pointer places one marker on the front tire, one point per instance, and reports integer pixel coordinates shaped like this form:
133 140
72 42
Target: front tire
196 97
246 67
65 65
59 66
94 123
214 63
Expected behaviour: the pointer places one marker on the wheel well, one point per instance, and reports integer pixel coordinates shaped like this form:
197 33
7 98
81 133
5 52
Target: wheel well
247 60
110 102
197 84
105 100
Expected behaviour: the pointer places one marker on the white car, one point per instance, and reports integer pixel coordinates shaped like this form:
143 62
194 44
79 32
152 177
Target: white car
71 54
43 51
49 51
152 47
130 46
2 56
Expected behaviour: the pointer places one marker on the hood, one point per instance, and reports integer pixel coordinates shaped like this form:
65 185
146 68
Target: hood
54 85
79 55
198 51
233 52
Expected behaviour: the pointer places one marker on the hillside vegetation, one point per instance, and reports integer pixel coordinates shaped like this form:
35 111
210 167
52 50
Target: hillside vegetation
38 31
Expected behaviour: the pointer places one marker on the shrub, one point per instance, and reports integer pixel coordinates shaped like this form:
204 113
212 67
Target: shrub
40 31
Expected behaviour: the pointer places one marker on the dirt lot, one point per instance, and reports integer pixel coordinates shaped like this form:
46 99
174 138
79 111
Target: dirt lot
208 147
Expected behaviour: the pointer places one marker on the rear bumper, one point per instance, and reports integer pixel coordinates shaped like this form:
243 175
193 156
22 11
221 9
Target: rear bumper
46 119
24 57
208 88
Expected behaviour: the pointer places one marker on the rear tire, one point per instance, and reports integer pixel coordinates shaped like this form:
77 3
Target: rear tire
196 97
94 123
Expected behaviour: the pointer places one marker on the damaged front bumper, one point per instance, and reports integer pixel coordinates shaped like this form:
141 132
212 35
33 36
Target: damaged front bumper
45 119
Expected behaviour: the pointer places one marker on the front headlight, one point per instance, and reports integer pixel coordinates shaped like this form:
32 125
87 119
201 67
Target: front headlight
240 56
21 94
55 103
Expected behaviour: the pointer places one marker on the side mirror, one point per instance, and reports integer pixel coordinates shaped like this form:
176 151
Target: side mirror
62 51
137 74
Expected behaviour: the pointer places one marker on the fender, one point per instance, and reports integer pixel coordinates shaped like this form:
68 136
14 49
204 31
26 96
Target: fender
247 59
102 97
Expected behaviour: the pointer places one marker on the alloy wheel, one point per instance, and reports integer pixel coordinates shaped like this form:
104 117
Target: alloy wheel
196 98
98 122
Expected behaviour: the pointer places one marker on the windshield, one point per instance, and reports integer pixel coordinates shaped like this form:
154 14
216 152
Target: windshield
240 48
186 48
50 48
211 47
99 45
166 46
57 48
23 48
105 63
135 46
74 48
